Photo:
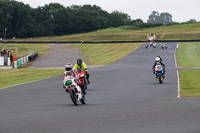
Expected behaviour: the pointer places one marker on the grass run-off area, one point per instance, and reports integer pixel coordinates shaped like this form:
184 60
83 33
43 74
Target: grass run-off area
103 54
20 50
189 83
188 55
186 31
11 77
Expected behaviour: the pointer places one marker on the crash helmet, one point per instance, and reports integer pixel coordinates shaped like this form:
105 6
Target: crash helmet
157 59
69 67
79 61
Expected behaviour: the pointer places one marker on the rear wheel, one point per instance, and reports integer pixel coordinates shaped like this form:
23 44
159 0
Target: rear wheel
73 97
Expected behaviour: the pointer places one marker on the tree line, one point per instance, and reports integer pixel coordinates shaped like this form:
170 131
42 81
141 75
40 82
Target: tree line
20 20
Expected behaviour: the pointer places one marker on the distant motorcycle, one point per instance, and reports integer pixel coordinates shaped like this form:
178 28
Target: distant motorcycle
159 73
154 45
146 46
73 87
151 44
166 46
162 46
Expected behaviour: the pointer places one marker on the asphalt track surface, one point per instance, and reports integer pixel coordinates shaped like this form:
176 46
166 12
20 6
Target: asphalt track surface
123 97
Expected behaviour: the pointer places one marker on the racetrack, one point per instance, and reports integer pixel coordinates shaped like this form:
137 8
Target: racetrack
123 97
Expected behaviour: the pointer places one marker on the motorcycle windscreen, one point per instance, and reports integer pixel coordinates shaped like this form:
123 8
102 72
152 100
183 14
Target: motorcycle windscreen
79 70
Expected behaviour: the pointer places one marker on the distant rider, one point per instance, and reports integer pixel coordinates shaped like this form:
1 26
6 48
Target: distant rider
158 61
81 64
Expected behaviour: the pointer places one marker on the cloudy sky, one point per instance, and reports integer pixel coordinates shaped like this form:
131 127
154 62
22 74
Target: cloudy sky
181 10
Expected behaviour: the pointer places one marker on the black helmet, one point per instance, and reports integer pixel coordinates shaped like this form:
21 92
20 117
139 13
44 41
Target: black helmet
79 62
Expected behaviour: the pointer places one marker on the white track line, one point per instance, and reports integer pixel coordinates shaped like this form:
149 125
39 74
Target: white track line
178 80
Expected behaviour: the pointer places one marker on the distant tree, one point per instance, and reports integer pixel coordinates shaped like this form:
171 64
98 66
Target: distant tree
117 19
192 20
137 21
163 18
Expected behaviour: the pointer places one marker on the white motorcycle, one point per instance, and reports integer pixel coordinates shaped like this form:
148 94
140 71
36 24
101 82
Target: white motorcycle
71 86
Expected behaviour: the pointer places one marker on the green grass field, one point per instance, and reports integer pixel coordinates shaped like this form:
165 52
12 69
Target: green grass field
188 55
103 54
186 31
21 50
189 83
11 77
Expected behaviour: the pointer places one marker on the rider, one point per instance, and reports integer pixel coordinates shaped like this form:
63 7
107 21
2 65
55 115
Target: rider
162 44
154 44
158 60
69 72
81 64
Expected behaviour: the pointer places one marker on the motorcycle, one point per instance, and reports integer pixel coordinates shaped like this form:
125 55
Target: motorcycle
73 87
146 46
162 46
82 78
166 46
159 73
154 45
151 44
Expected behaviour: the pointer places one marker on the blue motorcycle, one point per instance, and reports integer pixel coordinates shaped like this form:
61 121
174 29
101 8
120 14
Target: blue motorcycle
159 73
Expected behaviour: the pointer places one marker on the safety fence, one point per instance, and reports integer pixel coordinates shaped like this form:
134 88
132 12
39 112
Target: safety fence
26 59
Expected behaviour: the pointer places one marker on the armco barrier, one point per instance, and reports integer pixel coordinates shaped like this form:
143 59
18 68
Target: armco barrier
8 62
33 56
19 63
1 61
22 60
15 64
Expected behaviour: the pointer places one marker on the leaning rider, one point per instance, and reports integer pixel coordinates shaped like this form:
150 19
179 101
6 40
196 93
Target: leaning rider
81 64
69 72
158 62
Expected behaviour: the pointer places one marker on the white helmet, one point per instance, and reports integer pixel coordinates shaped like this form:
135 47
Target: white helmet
69 67
157 59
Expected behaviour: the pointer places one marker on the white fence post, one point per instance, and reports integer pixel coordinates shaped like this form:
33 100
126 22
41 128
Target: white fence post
15 64
1 61
8 61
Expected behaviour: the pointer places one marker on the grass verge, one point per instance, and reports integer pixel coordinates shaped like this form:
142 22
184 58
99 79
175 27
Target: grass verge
103 54
185 31
188 54
11 77
189 83
21 50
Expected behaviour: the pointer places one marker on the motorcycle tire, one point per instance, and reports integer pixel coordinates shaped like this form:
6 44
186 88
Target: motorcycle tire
83 100
73 97
160 79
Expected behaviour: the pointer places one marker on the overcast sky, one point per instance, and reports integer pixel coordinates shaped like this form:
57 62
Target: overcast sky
181 10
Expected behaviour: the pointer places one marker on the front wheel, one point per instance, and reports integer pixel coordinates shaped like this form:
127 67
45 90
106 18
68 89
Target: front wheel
160 79
83 100
73 97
